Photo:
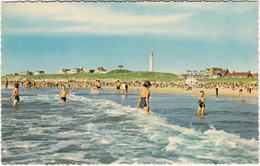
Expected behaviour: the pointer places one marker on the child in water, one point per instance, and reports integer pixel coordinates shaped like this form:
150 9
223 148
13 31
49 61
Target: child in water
143 102
15 94
202 103
63 94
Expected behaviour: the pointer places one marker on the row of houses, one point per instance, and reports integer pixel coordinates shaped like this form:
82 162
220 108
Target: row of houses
100 70
68 71
216 72
81 70
27 73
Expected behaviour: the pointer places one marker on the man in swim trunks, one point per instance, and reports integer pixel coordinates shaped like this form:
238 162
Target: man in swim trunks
98 85
63 94
143 102
6 83
202 103
118 84
240 91
15 94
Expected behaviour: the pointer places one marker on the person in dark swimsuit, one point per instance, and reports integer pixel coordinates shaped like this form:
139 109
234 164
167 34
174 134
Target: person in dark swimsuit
63 94
240 92
202 103
15 94
118 85
98 86
64 99
143 102
6 83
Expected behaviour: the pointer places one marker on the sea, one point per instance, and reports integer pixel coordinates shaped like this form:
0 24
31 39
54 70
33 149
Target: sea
107 128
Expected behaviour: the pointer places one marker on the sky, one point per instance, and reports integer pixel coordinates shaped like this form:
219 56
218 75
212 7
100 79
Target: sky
181 35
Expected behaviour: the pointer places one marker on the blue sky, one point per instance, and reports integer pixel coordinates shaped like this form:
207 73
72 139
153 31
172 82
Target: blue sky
52 36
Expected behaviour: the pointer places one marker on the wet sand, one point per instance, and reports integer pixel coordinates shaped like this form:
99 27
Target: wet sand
208 92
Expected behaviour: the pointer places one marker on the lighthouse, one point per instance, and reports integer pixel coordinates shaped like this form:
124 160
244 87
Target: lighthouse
151 62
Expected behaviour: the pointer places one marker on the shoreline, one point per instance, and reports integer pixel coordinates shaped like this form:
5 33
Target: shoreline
208 92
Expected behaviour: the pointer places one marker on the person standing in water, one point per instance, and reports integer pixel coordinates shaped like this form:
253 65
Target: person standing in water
118 84
6 83
143 102
123 86
98 86
63 94
15 94
240 91
216 87
202 103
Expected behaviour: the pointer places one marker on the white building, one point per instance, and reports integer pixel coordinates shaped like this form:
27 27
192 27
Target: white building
63 71
26 73
194 74
71 71
101 70
38 73
88 71
75 70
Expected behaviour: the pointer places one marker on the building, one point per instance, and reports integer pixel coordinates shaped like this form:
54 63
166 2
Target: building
38 73
239 75
75 70
9 75
255 75
210 72
213 71
101 70
71 71
63 71
26 73
120 67
194 74
89 71
151 62
223 73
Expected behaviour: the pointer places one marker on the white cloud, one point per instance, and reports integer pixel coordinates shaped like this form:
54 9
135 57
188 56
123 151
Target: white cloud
88 19
93 18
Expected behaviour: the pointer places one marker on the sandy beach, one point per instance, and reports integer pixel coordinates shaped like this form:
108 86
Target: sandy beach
208 92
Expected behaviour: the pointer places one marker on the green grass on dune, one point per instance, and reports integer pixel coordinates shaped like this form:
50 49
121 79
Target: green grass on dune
127 76
232 80
114 74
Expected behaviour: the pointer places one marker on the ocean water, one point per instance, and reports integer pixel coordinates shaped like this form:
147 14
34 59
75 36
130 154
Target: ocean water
108 129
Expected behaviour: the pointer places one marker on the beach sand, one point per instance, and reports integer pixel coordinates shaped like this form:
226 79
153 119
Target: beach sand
208 92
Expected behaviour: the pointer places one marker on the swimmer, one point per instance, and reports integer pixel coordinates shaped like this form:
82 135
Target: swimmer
202 103
6 83
98 86
240 92
124 87
15 94
143 102
118 84
63 94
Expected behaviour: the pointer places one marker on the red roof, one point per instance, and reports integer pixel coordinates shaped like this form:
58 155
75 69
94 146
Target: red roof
224 72
255 75
101 69
239 74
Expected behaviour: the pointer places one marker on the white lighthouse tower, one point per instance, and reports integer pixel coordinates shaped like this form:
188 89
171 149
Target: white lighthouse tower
151 62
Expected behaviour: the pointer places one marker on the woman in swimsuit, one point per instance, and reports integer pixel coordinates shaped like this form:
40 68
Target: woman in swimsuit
143 102
202 103
15 94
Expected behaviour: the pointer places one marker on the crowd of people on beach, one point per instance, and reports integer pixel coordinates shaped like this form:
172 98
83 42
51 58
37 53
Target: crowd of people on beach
28 84
122 87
